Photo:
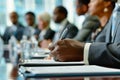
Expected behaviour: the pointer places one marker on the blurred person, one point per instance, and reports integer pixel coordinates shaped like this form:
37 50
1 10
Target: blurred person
105 53
81 10
60 17
90 23
46 33
16 29
104 13
31 28
82 7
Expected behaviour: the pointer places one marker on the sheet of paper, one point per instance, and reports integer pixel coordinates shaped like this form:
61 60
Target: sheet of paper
36 61
42 55
70 69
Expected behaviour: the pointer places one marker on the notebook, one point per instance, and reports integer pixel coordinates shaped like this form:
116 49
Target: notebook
69 71
36 62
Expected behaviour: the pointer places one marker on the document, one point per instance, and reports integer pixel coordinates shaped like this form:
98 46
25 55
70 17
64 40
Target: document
70 69
64 71
39 56
36 62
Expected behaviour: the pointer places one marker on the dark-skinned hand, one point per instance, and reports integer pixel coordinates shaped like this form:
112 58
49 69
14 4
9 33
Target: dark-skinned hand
67 50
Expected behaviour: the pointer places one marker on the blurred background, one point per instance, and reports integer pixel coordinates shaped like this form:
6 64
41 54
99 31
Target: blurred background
36 6
14 50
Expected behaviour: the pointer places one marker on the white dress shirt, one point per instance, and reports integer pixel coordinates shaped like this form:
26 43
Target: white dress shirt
29 31
42 33
60 26
86 53
13 28
32 29
80 20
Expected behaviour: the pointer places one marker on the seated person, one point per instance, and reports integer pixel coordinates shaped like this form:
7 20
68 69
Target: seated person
46 34
92 26
106 11
60 17
31 25
105 53
16 29
89 23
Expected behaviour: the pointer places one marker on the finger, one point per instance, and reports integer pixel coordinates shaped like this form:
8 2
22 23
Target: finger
60 42
55 51
57 57
54 55
60 58
51 46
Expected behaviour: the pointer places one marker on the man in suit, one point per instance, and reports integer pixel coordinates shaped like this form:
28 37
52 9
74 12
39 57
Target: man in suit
60 18
16 29
31 28
104 53
90 24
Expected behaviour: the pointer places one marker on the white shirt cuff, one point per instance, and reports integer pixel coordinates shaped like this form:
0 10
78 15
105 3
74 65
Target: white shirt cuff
86 53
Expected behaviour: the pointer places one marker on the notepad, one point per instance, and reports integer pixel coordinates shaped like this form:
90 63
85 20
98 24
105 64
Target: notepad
35 62
70 71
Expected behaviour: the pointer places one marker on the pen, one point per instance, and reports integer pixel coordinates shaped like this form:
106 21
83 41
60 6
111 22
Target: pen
63 36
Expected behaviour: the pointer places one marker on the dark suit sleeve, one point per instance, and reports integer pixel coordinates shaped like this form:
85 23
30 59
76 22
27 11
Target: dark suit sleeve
6 35
37 32
86 31
19 33
73 30
102 35
49 34
105 54
90 24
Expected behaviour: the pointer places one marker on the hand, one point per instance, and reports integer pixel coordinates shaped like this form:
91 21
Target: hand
67 50
48 58
44 43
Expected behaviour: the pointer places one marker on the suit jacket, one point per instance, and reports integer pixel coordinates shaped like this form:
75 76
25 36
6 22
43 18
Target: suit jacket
48 35
106 52
71 32
90 24
9 32
30 31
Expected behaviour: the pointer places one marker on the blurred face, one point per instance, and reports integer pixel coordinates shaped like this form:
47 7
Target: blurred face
30 20
42 24
96 7
58 17
81 9
14 18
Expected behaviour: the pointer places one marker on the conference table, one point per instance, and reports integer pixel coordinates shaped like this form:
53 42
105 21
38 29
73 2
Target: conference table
12 74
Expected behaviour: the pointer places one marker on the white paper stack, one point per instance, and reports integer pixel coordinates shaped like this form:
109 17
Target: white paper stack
36 62
70 71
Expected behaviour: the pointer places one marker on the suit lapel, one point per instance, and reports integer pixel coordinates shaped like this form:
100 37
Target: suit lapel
64 29
116 26
108 35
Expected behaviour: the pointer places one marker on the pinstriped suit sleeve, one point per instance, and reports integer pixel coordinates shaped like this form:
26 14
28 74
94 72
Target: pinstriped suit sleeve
105 54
